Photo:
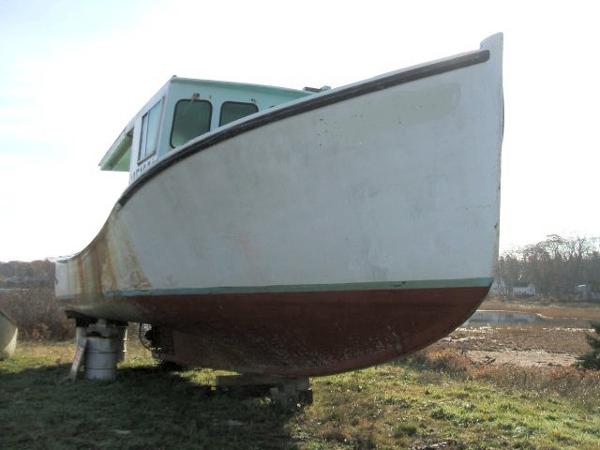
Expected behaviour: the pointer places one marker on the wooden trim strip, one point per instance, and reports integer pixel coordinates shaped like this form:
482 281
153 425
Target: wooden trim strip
289 288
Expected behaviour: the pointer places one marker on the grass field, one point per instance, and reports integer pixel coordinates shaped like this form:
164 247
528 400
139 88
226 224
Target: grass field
436 398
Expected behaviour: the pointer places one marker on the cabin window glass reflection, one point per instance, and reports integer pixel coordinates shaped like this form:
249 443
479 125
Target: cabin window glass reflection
191 119
149 135
231 111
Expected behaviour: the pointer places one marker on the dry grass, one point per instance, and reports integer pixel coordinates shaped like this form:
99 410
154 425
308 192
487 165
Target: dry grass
519 338
582 386
435 399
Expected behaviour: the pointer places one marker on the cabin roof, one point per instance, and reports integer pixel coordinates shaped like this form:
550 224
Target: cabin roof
238 86
117 157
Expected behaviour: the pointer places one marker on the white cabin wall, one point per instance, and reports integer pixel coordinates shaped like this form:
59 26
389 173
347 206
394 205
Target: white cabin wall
136 167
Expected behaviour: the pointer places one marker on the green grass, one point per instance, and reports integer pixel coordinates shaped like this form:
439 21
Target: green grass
390 406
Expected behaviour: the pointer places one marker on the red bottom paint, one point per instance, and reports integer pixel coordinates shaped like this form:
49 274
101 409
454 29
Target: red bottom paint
306 334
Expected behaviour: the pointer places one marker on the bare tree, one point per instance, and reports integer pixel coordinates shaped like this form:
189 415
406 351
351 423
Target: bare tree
555 265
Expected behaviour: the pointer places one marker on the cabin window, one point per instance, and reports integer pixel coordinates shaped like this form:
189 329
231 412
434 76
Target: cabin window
231 111
149 135
191 119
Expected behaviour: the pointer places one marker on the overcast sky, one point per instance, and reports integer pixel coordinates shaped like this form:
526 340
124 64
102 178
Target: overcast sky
73 73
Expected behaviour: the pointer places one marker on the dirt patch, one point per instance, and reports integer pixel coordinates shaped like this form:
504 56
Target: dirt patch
522 338
531 346
528 358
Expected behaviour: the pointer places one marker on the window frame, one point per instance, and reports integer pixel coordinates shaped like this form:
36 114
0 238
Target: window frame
210 114
160 117
236 103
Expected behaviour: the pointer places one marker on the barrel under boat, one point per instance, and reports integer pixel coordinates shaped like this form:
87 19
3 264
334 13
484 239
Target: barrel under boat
335 230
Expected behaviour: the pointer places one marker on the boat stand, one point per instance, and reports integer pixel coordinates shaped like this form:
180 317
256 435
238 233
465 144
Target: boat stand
284 391
100 346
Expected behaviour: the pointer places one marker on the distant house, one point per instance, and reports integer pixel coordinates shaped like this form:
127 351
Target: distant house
519 289
523 289
499 287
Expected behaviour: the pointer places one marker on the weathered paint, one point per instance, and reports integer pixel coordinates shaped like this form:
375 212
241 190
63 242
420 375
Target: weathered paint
396 185
304 333
280 335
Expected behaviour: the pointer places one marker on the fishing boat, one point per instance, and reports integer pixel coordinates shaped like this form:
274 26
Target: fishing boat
306 232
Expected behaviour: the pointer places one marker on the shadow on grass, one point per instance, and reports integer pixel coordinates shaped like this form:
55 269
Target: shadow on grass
145 408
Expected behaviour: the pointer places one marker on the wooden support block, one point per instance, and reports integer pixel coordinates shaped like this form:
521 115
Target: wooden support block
284 391
248 379
78 358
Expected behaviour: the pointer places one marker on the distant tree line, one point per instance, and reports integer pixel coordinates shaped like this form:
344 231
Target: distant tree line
18 274
27 296
556 266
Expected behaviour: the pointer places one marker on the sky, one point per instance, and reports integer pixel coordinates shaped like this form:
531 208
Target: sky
73 73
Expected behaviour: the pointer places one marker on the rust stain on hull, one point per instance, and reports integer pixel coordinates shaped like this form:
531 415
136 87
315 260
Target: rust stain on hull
289 334
306 334
108 262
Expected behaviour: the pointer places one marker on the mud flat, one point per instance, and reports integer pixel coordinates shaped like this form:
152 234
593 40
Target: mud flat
524 334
